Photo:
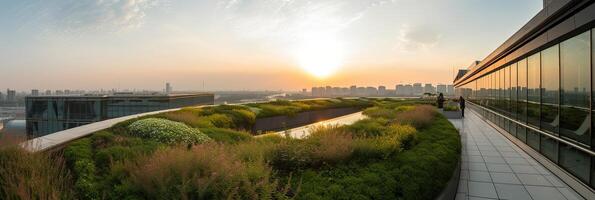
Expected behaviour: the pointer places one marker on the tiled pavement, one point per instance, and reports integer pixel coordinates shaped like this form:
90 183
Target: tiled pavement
495 168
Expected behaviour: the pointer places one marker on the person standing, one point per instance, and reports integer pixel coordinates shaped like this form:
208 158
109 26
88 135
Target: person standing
440 100
462 105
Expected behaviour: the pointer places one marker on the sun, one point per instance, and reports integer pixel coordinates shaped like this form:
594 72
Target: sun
319 54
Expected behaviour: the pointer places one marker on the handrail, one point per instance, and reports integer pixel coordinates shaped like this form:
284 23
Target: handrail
592 153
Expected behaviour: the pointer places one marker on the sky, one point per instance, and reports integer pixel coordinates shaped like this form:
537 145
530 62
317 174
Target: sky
247 44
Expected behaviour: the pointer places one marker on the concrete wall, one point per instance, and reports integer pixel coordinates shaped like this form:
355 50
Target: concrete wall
279 123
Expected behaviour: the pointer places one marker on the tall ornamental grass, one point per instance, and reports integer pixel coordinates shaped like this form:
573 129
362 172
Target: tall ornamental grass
25 175
208 171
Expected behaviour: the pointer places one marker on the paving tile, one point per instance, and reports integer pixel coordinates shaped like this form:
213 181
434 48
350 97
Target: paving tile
461 196
464 174
476 159
479 176
555 181
533 179
549 193
570 194
517 161
498 167
481 189
478 198
524 169
490 153
508 178
465 165
504 171
463 186
516 192
494 159
511 154
542 170
477 167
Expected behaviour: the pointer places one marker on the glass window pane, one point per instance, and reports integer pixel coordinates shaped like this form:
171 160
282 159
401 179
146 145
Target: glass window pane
513 90
549 148
575 161
575 84
550 74
522 98
533 139
533 84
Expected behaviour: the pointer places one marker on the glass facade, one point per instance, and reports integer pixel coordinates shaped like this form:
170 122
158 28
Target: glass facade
551 91
47 115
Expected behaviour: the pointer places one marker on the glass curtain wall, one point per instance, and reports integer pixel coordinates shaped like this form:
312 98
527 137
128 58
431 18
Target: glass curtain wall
551 91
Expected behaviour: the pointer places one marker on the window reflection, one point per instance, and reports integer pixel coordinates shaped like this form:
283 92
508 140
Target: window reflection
550 73
575 84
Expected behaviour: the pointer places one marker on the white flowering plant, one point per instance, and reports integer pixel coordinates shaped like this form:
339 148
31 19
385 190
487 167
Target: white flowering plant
167 131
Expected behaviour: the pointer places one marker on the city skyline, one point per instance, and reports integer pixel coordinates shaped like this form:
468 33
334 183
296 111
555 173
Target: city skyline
247 45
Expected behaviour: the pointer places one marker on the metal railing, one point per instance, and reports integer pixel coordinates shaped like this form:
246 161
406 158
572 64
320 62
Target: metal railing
579 147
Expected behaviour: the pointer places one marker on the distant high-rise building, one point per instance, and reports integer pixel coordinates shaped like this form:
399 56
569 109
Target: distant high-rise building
450 90
1 96
59 92
417 89
67 92
429 88
441 88
168 88
353 90
382 90
48 92
34 92
371 91
11 95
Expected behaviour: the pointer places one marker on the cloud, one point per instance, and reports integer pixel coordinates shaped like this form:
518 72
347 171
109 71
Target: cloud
76 16
287 20
418 38
112 15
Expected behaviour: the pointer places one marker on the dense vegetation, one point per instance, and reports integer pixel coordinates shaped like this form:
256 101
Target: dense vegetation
403 150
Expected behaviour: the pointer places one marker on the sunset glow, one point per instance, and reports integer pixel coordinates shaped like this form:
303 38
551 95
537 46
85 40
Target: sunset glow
247 44
320 55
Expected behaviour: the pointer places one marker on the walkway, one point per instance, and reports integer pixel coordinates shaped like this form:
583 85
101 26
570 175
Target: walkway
495 168
303 131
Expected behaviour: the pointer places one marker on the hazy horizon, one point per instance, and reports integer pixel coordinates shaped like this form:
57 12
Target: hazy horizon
247 44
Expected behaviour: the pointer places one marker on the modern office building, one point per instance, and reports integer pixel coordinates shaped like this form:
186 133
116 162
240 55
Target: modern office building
417 89
34 92
450 90
168 88
538 87
429 88
441 88
49 114
382 91
11 95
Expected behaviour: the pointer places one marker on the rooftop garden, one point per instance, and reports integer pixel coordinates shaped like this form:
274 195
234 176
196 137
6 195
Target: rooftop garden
403 150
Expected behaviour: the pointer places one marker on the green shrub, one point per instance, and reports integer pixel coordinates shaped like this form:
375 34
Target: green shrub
379 112
430 163
79 155
167 131
420 117
226 135
368 127
451 108
220 120
420 172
